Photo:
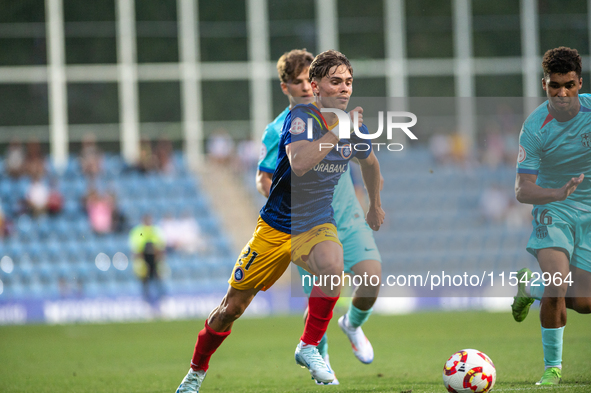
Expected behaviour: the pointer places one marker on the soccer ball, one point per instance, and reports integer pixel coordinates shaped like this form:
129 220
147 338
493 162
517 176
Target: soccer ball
469 370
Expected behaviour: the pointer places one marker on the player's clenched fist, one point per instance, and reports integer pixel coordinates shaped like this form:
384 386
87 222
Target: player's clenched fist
375 217
356 114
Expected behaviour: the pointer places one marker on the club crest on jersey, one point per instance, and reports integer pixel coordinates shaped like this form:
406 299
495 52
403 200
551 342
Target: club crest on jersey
586 139
542 232
521 156
346 151
297 126
238 274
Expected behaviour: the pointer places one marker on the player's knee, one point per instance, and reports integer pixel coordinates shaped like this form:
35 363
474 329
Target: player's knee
327 261
552 291
332 265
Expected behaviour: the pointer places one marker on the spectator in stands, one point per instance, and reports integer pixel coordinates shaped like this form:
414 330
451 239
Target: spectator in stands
170 231
459 149
3 223
37 196
99 208
34 162
163 155
182 234
440 147
220 147
55 202
147 161
14 163
494 203
494 147
191 238
119 220
248 155
91 158
148 246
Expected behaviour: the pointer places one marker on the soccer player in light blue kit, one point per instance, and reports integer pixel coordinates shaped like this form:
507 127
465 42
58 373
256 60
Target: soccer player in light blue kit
554 175
360 251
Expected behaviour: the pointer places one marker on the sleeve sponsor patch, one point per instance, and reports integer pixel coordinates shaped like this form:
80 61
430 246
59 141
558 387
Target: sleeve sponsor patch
297 126
521 156
263 152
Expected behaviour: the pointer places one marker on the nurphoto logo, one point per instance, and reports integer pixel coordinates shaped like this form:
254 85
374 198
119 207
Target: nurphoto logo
345 127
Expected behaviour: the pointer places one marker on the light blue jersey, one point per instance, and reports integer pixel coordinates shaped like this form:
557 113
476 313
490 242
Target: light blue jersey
270 145
558 151
354 233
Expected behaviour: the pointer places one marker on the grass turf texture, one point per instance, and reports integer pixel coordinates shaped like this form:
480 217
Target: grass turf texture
410 351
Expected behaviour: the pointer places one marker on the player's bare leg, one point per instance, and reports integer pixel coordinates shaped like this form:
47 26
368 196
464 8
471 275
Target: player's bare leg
230 309
366 294
363 300
553 313
217 327
578 297
326 260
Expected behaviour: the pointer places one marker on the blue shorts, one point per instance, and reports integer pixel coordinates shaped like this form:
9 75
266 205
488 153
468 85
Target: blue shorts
358 245
562 226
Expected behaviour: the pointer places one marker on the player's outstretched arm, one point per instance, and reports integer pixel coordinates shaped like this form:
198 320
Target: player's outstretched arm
370 170
304 155
527 191
263 182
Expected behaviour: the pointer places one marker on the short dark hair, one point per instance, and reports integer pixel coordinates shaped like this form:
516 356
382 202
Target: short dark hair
323 63
561 60
292 63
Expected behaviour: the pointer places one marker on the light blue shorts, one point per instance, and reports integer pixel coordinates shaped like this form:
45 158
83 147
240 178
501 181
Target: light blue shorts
358 245
562 226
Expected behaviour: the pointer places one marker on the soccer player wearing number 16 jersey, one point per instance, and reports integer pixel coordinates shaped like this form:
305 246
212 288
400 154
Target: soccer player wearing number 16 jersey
296 223
554 175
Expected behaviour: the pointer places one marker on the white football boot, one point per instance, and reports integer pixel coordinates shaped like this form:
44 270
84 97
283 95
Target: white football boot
192 382
308 357
335 381
361 346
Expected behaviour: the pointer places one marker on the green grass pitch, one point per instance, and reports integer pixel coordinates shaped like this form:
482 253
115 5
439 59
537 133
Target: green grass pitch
410 351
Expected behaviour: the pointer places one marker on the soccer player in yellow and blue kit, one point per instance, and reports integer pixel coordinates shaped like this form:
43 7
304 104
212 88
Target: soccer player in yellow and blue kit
554 175
361 255
296 223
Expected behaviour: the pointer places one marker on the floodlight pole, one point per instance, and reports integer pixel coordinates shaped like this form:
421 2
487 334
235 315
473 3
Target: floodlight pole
464 71
327 26
128 79
258 56
56 80
530 44
189 53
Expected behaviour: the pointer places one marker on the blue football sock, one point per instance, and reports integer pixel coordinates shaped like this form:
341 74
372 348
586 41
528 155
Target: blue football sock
323 346
537 291
357 317
552 343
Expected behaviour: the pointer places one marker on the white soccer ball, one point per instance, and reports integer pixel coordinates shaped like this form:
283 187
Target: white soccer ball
469 370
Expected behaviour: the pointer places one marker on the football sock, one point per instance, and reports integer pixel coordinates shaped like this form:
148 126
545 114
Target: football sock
536 291
357 317
323 346
552 344
208 341
320 309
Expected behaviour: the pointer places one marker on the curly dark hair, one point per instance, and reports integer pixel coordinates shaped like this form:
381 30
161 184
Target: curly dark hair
561 60
322 64
292 63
